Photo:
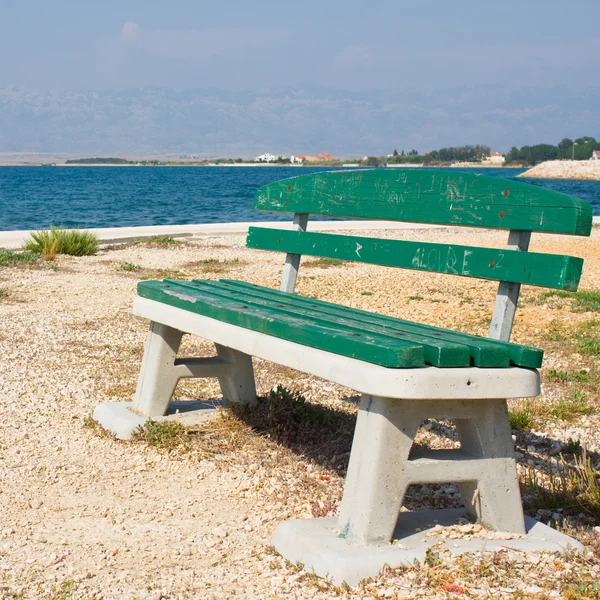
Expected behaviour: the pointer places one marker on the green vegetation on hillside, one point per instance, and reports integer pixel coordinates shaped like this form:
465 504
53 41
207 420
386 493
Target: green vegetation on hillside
99 160
566 149
436 157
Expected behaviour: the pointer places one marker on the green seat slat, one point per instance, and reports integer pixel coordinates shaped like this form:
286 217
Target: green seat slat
533 268
429 196
362 346
485 352
437 352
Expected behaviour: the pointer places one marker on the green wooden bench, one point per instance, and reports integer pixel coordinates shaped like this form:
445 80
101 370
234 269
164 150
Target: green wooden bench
405 371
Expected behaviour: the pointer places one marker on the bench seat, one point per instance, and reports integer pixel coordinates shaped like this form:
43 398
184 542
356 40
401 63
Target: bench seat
369 337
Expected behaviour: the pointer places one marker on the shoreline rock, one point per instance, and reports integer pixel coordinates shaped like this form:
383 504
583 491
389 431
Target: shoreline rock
565 169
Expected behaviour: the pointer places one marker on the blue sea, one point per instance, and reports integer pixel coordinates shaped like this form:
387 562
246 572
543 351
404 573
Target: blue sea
36 197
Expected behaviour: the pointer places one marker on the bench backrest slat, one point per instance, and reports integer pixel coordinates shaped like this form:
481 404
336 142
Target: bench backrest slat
429 196
545 270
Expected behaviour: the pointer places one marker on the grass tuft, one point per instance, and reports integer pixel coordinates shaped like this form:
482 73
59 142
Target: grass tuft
323 263
571 407
581 376
10 258
582 301
161 241
129 267
58 240
574 486
161 434
587 335
520 418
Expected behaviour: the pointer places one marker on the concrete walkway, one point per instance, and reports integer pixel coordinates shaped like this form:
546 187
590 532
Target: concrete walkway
15 239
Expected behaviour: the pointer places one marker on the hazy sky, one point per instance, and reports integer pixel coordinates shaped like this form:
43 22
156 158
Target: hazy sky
355 45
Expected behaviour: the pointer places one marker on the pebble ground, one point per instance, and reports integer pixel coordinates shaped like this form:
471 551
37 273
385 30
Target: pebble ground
85 516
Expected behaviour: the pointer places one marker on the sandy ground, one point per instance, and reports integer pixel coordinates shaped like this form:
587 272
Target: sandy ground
565 169
86 516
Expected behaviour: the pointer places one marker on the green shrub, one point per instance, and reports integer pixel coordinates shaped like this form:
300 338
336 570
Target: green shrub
73 242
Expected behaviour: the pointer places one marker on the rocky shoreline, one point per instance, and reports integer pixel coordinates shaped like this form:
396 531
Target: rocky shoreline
565 169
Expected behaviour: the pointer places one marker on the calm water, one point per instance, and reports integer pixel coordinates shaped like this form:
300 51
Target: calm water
35 197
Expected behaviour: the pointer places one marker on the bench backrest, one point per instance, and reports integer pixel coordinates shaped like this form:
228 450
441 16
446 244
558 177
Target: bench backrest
434 197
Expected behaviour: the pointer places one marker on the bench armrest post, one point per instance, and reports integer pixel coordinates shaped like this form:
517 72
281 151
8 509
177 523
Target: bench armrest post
292 261
508 293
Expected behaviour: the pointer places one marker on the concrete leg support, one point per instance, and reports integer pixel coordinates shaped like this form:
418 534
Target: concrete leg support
159 374
361 540
494 498
237 384
377 478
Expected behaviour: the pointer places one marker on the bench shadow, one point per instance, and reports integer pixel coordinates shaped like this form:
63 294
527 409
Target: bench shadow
323 435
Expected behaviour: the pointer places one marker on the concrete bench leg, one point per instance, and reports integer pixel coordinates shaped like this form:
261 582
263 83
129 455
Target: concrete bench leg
375 483
237 384
494 499
158 376
356 544
382 467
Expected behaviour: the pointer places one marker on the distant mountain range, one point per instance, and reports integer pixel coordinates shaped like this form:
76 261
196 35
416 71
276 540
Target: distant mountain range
213 122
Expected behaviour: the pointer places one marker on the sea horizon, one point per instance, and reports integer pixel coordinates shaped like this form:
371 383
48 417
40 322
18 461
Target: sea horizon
32 197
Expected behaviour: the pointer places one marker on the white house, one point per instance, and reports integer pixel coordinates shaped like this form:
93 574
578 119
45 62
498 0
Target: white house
495 158
296 160
266 157
595 155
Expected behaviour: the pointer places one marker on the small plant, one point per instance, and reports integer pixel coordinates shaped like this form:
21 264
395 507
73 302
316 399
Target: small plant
3 293
582 301
586 480
65 590
163 241
214 265
569 408
324 263
366 293
572 446
129 267
587 335
10 258
58 240
50 253
416 298
552 494
161 434
582 376
520 418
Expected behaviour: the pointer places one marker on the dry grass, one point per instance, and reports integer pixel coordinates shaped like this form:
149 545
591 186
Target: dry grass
214 265
323 263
